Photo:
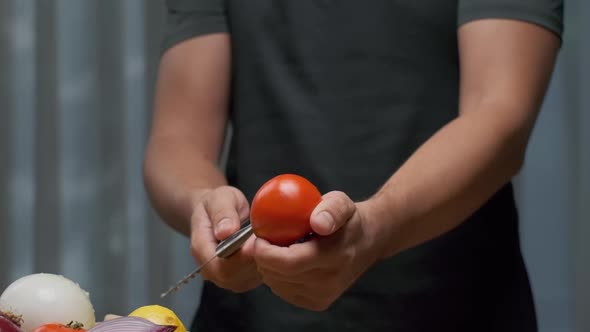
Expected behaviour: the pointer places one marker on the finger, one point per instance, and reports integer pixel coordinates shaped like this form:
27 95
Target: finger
246 285
299 299
315 283
225 207
238 280
335 209
283 289
310 303
237 272
249 246
295 259
239 264
311 278
203 243
297 294
294 280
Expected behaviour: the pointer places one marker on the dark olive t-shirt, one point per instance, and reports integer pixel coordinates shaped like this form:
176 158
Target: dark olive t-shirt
343 92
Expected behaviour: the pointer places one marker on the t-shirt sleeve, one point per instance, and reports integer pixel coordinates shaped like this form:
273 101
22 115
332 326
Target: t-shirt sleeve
186 19
546 13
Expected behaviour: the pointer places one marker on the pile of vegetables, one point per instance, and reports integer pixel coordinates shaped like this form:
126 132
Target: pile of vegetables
43 302
52 303
9 322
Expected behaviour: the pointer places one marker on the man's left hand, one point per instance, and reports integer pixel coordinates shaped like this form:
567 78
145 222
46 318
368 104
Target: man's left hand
314 274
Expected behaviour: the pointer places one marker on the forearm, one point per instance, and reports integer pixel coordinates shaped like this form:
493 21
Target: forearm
188 127
450 177
175 176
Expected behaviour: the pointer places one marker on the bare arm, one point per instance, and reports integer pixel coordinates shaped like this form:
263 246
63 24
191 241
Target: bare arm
505 69
189 122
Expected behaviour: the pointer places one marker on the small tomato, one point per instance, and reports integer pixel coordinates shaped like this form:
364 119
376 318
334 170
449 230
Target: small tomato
56 327
282 207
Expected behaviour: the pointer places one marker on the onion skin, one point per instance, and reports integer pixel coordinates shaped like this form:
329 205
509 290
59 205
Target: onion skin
9 323
45 298
130 324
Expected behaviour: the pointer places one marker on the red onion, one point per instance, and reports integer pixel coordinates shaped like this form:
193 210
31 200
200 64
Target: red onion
130 324
10 322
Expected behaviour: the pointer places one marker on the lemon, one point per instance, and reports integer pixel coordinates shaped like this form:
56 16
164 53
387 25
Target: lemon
159 315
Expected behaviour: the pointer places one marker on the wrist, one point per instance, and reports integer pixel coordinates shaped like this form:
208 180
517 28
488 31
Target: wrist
383 215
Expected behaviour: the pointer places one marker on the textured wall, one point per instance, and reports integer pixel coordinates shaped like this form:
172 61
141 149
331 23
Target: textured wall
76 82
76 89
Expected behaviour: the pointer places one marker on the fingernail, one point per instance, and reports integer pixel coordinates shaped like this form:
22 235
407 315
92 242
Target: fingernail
223 226
325 221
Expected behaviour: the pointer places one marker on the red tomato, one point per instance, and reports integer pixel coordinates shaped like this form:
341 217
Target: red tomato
281 209
55 327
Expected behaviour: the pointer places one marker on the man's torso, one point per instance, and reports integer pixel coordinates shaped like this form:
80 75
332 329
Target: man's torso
342 92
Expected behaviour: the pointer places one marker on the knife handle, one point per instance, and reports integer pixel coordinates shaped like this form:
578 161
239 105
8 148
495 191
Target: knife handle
234 242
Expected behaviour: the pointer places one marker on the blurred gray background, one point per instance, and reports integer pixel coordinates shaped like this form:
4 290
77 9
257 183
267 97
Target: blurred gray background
76 83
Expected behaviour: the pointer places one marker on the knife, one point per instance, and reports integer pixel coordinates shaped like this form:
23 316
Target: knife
224 249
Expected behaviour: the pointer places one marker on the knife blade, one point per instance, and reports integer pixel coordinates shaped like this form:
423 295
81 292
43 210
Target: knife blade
224 249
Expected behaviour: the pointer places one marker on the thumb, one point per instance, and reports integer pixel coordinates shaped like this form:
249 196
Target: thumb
226 207
335 209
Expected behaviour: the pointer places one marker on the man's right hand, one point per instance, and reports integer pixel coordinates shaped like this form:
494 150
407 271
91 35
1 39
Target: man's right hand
217 213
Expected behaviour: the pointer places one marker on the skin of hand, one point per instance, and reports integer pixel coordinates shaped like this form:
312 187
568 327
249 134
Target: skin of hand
217 214
505 69
315 273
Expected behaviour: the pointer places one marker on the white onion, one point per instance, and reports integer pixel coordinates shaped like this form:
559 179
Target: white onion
47 298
